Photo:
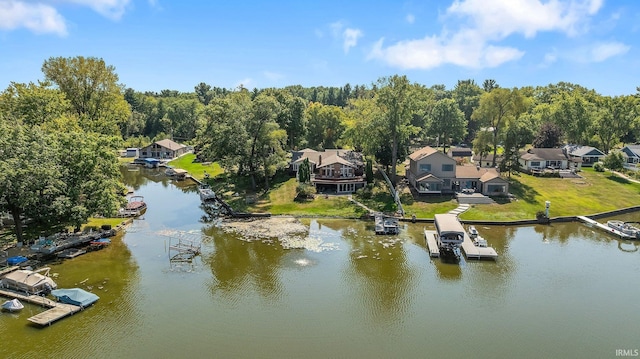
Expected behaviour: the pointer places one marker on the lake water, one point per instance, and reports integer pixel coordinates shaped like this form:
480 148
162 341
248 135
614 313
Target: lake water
560 291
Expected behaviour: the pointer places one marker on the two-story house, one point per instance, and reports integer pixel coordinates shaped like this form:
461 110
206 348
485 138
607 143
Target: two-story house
163 149
431 171
333 170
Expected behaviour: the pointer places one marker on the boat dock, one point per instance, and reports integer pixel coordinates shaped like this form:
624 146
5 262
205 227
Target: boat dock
604 227
56 312
473 251
432 244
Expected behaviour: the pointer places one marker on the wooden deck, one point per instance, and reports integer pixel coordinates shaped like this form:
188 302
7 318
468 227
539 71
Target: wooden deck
432 245
604 227
471 251
57 310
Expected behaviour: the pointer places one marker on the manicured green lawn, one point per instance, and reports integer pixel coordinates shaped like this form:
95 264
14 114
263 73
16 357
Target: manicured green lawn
427 207
596 192
98 222
196 169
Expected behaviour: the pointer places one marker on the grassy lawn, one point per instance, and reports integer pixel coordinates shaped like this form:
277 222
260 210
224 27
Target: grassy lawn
196 169
428 206
98 222
596 192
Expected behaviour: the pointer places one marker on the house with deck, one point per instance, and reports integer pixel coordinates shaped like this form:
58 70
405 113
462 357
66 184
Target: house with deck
163 149
333 170
432 172
589 155
537 159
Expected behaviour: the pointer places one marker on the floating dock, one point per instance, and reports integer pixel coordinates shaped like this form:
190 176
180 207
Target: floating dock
472 251
432 244
56 312
604 227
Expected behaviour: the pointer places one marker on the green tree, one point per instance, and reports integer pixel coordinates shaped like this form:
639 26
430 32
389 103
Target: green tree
614 118
397 104
447 122
549 135
497 108
304 172
467 95
93 91
614 161
325 125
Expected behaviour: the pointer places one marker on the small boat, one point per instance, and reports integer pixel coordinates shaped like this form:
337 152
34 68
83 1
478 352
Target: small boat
98 244
13 305
75 296
206 194
473 232
71 253
134 208
478 241
625 228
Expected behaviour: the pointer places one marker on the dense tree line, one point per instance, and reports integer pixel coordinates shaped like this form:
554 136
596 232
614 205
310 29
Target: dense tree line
58 136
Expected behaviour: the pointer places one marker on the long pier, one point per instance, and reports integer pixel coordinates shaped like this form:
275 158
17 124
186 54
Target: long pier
56 312
603 227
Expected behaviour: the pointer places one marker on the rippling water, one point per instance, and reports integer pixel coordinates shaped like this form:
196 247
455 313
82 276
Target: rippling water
556 291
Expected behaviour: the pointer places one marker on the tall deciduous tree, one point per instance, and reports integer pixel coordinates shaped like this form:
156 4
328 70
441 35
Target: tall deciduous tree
614 119
397 104
549 135
92 88
496 109
447 122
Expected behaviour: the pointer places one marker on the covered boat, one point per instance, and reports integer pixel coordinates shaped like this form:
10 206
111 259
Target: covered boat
13 305
75 296
31 282
134 208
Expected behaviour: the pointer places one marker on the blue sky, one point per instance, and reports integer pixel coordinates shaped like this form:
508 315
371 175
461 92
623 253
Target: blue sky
163 44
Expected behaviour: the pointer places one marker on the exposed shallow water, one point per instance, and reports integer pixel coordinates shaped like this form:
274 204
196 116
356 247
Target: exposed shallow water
565 290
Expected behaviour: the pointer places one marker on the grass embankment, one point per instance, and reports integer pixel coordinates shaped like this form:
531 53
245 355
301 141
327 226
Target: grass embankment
196 169
98 222
595 192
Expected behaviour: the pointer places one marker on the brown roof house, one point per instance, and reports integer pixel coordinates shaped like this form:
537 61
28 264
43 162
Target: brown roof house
163 149
333 170
432 172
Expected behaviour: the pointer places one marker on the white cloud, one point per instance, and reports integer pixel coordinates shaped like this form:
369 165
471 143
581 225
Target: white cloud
478 27
350 37
43 17
247 83
603 51
38 18
410 18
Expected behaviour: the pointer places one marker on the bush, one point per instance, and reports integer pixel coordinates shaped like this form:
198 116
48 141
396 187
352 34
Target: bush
598 167
365 192
305 191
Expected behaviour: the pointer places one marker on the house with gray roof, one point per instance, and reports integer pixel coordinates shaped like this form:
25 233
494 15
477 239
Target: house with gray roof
631 154
535 159
589 155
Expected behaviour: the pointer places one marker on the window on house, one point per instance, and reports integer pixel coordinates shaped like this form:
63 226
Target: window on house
425 167
535 164
447 168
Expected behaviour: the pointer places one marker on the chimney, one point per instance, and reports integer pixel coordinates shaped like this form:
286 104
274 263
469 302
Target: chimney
319 160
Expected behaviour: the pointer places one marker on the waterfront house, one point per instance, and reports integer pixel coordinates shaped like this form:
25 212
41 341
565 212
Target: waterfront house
333 170
536 159
431 171
481 180
589 155
631 154
163 149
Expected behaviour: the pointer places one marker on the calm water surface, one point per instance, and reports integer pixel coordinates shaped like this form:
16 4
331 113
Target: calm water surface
561 291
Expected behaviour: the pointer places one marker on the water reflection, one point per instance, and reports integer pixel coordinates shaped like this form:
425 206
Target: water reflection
240 268
380 272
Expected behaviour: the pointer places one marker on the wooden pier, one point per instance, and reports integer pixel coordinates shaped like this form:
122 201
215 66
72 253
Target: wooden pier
56 312
472 251
432 244
604 227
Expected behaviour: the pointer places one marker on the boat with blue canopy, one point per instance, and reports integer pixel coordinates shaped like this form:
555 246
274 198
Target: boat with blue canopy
75 296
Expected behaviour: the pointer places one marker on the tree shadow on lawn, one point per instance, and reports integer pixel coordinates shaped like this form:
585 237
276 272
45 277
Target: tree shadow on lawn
620 180
522 191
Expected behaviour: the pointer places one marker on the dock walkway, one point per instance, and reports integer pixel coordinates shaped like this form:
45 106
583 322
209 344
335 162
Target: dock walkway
57 310
432 244
472 251
604 227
